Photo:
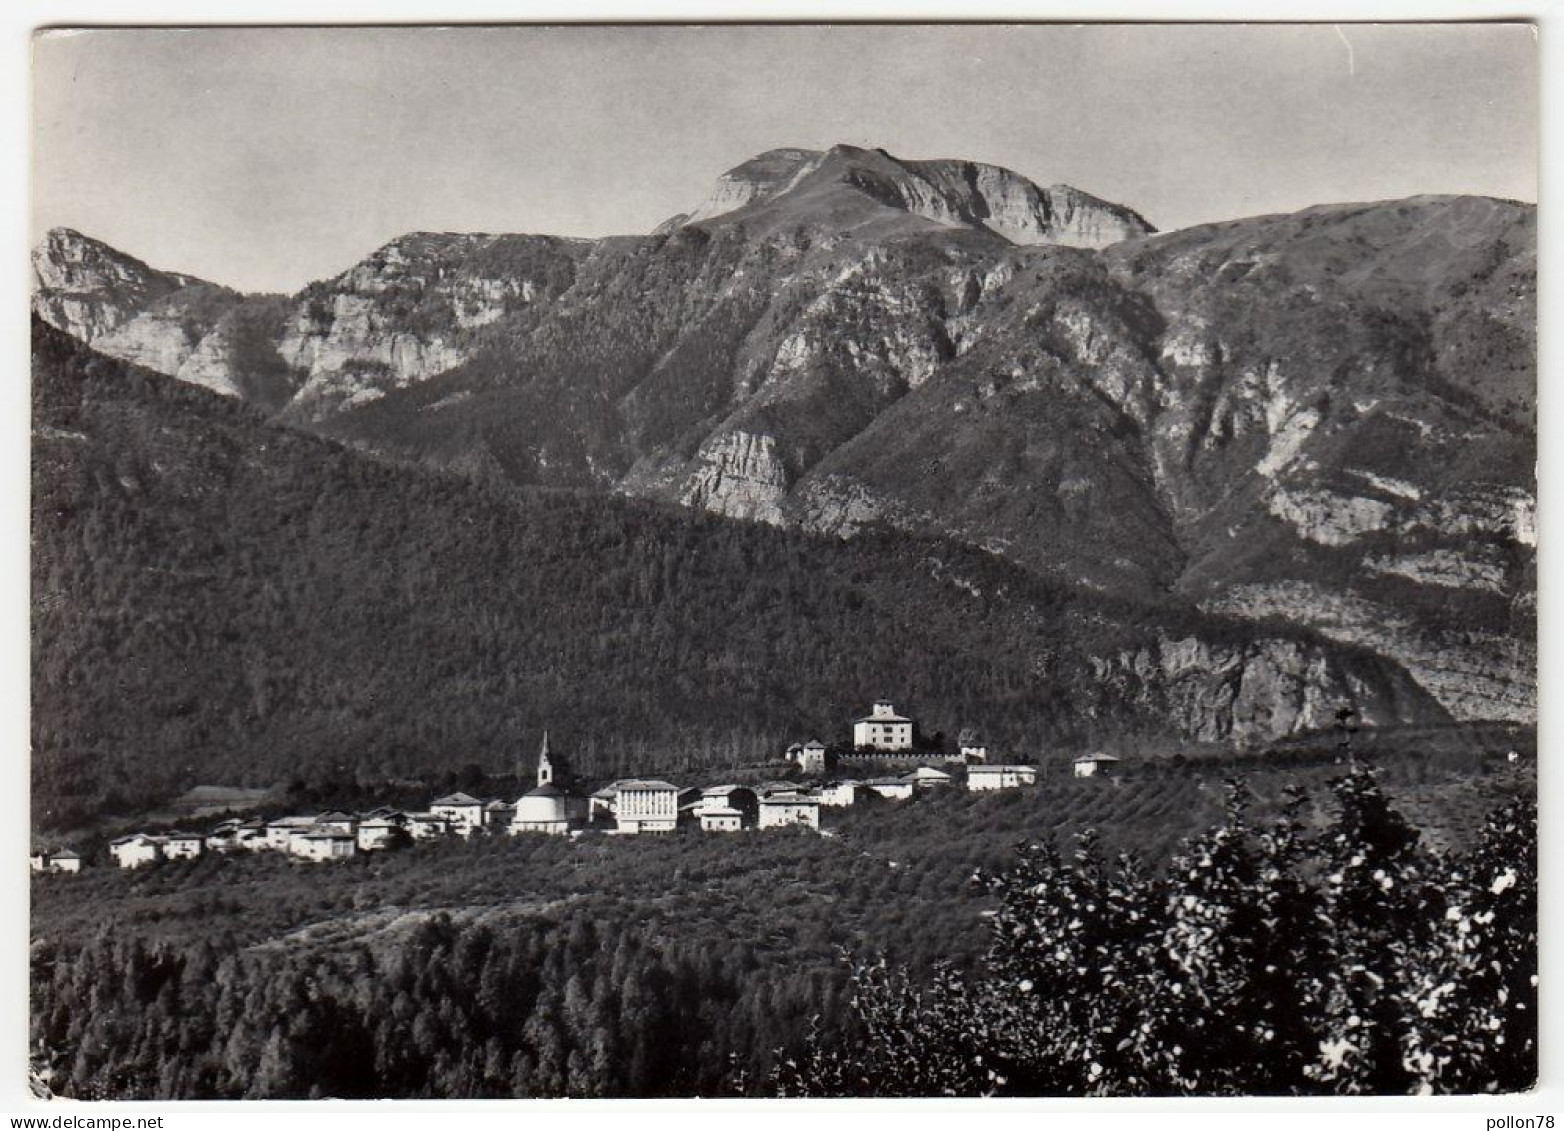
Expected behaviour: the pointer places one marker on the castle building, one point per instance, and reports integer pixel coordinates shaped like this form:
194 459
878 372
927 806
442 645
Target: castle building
811 757
883 728
972 747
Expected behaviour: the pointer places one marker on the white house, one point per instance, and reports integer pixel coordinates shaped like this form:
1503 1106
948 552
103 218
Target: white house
183 846
646 806
927 777
280 831
135 850
997 776
840 794
251 835
1096 765
883 728
324 843
338 821
378 831
893 789
721 820
65 860
427 826
463 811
811 757
790 807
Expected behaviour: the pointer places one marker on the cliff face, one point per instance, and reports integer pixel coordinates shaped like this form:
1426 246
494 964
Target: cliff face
1320 419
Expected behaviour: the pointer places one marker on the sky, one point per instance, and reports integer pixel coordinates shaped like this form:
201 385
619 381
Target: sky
264 158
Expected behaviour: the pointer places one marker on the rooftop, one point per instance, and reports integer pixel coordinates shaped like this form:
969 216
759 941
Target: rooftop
456 801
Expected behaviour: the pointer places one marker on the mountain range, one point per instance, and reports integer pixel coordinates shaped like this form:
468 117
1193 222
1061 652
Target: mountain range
1318 425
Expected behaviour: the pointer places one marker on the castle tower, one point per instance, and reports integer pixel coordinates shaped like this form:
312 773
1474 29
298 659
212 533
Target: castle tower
545 767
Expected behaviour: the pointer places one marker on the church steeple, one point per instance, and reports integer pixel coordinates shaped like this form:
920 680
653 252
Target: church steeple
545 767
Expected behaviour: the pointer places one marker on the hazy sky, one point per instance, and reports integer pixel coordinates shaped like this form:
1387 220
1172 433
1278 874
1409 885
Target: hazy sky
264 158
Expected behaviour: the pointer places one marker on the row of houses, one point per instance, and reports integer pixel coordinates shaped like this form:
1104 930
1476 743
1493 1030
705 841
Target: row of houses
628 806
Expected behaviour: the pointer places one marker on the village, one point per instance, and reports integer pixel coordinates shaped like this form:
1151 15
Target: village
627 806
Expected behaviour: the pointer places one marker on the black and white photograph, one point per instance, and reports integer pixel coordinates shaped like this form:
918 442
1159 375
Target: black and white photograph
776 561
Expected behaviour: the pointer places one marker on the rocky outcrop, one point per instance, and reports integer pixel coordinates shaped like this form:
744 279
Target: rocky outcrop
1251 693
89 289
739 475
1474 675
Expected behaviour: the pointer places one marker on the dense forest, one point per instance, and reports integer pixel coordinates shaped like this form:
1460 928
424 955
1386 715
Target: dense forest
878 959
220 601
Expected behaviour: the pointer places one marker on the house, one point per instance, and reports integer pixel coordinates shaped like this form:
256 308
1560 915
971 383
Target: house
1096 765
883 728
972 747
280 831
427 826
603 801
811 757
251 835
338 820
892 789
646 806
691 802
927 777
379 831
497 816
65 860
789 807
135 850
462 810
721 819
738 797
324 843
981 777
183 846
841 794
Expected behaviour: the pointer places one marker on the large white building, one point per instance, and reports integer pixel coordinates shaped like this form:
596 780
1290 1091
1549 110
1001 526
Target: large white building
996 776
646 806
883 728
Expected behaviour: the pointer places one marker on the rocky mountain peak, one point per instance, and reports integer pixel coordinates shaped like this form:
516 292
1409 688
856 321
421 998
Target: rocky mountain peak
847 187
87 288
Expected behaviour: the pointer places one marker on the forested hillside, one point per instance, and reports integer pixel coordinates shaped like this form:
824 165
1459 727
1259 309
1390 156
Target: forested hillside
221 601
679 965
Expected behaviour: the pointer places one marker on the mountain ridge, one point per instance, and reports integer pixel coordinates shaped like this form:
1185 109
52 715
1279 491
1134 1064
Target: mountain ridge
1322 418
